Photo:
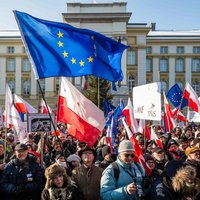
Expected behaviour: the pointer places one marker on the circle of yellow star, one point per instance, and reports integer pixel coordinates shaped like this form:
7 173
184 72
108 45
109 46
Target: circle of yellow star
65 54
90 59
73 60
60 44
60 34
81 63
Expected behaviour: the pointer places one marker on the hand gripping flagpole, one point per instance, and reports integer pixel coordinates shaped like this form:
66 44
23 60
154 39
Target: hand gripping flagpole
54 127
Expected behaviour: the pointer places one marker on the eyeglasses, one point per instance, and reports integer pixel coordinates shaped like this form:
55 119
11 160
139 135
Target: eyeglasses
129 155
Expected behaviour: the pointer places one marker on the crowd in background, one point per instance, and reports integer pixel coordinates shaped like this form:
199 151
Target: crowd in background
68 169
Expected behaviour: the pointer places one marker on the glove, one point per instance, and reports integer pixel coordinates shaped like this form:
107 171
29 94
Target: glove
19 190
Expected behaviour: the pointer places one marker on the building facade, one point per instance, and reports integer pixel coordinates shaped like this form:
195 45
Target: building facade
166 56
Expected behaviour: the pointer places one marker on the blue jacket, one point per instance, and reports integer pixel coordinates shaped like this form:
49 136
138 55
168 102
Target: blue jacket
28 177
112 189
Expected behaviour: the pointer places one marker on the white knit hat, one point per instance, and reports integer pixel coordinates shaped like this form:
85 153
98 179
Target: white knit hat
125 145
74 157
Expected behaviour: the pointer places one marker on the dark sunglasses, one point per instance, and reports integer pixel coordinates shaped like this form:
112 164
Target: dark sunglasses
129 155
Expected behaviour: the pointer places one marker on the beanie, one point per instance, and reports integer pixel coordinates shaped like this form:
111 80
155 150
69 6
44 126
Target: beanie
74 157
105 150
125 145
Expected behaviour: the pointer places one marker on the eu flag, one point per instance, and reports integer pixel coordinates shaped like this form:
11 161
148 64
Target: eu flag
59 49
175 95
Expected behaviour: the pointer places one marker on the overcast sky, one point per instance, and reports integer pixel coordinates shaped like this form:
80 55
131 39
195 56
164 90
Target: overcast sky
167 14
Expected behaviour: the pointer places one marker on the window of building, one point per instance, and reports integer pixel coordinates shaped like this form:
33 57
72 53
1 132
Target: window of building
179 65
26 65
163 65
163 86
11 64
180 84
131 83
163 50
196 49
11 49
180 50
131 57
148 65
196 65
148 50
26 87
42 84
57 85
195 86
11 84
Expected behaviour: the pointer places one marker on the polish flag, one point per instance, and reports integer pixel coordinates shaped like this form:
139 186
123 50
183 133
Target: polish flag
154 137
139 158
43 108
109 135
179 114
86 120
141 126
130 119
192 98
169 117
22 106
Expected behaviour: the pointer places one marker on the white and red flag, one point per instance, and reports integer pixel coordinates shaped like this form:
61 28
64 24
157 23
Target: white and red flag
85 119
154 137
168 116
23 106
190 95
130 119
43 107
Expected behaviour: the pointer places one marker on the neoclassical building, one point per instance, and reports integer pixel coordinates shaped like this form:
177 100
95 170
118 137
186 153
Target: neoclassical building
167 56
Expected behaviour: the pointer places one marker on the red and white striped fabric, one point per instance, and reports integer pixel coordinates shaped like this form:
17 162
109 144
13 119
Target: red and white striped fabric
85 119
130 119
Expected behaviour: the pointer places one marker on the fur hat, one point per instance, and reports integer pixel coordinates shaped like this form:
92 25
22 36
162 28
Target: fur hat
185 182
190 150
125 145
51 172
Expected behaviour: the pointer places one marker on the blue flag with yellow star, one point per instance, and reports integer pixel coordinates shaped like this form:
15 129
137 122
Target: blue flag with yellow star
175 95
59 49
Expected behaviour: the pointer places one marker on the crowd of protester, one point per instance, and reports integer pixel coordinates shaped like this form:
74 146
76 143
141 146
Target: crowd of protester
63 168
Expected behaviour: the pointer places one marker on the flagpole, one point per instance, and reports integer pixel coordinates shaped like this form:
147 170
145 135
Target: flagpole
54 127
98 92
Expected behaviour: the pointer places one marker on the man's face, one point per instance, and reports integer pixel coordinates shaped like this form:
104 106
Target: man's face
127 157
21 154
87 158
194 156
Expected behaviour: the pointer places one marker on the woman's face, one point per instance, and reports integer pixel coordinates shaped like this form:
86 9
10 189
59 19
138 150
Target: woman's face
58 181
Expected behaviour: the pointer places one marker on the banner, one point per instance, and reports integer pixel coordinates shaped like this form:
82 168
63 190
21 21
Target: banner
147 101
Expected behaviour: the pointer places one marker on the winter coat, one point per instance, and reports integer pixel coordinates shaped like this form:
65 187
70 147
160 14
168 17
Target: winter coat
22 181
112 189
88 181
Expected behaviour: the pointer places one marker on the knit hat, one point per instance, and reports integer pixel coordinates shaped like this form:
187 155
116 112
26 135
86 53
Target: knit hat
171 142
73 157
105 150
190 150
51 172
125 145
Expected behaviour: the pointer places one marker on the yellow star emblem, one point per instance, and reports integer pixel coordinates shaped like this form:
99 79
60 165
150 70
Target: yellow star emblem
90 59
95 54
92 37
60 34
60 44
65 54
81 63
73 60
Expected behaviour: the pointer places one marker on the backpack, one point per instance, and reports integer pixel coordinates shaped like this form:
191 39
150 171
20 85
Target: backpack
116 170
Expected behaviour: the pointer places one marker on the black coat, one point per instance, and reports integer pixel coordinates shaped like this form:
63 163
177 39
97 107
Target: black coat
22 181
